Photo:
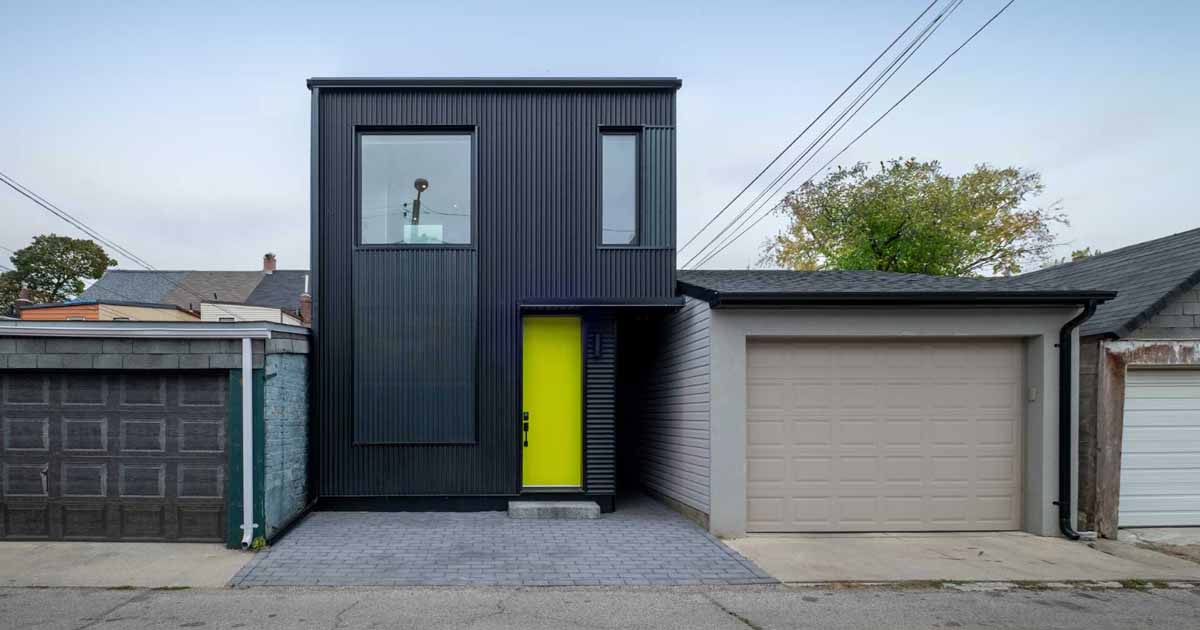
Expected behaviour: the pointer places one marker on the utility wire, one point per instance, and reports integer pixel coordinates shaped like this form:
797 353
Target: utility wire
847 113
83 227
880 118
806 128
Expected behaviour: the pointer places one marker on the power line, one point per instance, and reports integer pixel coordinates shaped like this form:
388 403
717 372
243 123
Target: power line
877 120
806 128
83 227
848 113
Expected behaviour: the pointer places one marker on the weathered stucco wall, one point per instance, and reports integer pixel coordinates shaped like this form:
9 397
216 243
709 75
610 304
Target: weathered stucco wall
1038 328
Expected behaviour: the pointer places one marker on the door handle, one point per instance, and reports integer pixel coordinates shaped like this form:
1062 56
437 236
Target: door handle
525 426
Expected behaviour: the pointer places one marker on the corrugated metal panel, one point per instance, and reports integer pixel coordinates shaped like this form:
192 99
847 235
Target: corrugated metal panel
414 346
657 218
673 405
600 406
537 218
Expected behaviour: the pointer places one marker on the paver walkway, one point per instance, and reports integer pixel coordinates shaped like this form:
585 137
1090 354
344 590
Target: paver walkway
641 543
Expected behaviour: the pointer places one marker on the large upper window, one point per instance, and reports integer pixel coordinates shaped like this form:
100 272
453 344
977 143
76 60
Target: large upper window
415 188
619 173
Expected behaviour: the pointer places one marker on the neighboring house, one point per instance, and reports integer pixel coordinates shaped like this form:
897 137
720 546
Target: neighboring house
87 310
282 290
227 312
840 401
475 244
1139 408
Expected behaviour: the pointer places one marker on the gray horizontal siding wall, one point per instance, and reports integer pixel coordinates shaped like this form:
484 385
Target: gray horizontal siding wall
674 402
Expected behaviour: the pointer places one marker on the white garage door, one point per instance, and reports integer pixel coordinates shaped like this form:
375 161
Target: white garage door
884 435
1160 450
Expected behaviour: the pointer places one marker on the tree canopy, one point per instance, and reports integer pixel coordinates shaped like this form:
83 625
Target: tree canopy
910 216
53 268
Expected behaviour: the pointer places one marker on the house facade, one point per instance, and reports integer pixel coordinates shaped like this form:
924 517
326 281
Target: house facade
475 244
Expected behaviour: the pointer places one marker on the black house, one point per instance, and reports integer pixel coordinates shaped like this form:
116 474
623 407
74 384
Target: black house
475 244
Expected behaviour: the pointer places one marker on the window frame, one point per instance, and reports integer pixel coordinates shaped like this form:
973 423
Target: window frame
636 132
415 130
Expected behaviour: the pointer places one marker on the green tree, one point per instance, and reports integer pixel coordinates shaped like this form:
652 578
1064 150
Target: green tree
53 268
912 217
1076 255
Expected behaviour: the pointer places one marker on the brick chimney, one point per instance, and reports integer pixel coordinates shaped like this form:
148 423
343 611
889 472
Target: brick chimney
269 262
22 298
306 304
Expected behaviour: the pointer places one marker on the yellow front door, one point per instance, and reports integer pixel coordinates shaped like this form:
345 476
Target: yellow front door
552 397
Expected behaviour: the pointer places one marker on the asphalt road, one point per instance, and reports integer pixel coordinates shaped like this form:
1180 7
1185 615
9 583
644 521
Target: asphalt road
535 608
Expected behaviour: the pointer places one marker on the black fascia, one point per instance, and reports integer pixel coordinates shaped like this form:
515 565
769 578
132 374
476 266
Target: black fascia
539 83
717 299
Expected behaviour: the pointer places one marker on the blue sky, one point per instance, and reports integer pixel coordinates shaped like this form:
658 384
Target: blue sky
181 130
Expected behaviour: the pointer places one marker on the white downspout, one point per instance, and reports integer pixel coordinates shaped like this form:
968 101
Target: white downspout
248 524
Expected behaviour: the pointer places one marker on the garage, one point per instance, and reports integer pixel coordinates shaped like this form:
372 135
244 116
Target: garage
883 435
1160 450
781 401
141 431
114 456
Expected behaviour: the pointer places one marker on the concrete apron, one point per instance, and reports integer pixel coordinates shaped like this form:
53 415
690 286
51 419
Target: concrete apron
1007 556
118 564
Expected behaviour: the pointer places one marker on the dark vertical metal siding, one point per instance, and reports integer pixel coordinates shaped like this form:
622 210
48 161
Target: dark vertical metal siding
537 208
414 346
600 405
657 220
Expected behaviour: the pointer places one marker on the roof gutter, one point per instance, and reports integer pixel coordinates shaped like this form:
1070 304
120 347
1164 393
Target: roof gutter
1066 436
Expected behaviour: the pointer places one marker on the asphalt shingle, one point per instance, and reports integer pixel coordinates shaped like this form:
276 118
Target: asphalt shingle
1145 276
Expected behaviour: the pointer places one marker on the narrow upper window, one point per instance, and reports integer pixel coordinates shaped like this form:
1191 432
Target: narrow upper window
415 188
620 188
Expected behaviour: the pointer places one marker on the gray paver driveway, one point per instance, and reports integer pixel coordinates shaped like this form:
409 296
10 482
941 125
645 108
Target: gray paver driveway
641 543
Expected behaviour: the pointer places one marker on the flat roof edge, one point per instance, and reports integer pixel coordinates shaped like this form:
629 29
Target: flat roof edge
651 83
718 299
159 330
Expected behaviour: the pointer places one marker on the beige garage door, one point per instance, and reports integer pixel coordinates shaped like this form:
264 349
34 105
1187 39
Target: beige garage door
883 435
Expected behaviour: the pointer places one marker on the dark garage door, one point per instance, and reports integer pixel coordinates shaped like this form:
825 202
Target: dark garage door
113 456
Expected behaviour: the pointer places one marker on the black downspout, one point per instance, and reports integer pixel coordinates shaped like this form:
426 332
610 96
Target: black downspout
1065 435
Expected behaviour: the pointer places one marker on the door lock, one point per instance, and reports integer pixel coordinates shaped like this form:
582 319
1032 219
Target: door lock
525 426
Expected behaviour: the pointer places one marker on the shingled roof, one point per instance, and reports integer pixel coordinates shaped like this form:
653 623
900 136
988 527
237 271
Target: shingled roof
1146 277
771 286
187 289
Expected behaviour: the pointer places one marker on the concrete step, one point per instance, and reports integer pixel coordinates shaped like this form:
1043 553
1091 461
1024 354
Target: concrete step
553 509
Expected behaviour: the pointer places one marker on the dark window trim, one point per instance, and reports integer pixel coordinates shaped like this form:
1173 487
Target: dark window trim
422 130
636 132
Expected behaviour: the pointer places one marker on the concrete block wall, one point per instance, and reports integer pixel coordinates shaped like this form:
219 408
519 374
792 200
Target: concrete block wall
1179 319
285 414
70 353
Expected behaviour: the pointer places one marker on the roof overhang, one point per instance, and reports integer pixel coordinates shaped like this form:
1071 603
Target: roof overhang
577 304
758 299
507 83
153 330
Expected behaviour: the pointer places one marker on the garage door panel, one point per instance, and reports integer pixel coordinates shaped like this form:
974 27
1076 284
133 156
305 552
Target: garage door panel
1182 437
1160 450
915 436
101 456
